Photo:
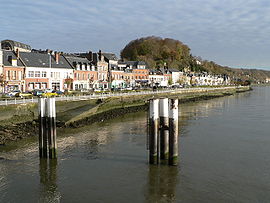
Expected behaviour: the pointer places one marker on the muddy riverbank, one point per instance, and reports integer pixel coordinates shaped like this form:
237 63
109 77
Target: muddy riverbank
20 121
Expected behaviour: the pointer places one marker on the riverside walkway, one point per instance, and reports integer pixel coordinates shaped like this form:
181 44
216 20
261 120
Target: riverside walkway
111 94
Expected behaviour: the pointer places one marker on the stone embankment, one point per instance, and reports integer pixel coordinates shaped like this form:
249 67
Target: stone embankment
20 121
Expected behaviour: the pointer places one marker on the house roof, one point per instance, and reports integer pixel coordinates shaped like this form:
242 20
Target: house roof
141 63
110 56
6 55
173 70
132 63
136 63
16 44
122 62
33 59
76 59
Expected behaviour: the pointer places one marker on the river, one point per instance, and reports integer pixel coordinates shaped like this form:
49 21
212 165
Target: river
224 148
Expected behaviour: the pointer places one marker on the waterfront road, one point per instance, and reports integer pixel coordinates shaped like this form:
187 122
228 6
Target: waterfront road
112 94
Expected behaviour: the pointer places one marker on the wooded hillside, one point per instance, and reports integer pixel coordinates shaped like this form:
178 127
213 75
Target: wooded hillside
157 52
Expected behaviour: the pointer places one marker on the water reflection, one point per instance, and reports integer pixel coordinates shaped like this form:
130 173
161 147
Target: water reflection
48 181
162 182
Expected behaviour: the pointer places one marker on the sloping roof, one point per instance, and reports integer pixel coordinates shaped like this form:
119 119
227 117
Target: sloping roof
132 63
173 70
6 55
122 62
17 44
110 56
76 59
136 63
32 59
141 63
153 71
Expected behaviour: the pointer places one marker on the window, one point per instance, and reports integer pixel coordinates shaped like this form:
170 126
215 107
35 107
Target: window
43 74
8 75
20 75
83 76
14 75
30 74
37 74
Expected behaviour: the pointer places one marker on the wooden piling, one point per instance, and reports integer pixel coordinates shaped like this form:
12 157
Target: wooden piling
51 120
164 128
153 131
173 132
42 128
54 128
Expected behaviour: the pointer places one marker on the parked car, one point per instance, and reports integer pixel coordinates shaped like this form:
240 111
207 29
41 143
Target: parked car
13 93
24 94
51 92
98 90
129 88
48 90
58 92
38 92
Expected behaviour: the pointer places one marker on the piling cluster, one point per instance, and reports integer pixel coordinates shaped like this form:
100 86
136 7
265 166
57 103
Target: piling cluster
163 131
47 128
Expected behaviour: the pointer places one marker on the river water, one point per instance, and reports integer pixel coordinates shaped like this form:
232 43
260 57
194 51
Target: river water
224 148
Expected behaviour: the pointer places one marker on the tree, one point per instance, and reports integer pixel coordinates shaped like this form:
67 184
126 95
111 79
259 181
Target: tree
3 82
68 82
170 81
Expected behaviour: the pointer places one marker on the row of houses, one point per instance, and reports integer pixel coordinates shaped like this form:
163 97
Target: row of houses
26 69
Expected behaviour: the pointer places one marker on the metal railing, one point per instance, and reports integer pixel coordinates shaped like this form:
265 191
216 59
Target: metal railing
110 94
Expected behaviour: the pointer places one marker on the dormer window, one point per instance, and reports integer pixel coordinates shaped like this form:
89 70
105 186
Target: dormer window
83 66
14 62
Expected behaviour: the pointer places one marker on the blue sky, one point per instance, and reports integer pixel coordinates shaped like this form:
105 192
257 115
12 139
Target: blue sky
230 32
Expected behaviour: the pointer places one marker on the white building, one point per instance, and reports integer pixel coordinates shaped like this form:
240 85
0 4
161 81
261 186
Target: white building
45 71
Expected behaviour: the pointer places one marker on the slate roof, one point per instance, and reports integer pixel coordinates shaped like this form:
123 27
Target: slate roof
33 59
141 63
155 72
132 63
110 56
17 44
135 63
6 55
76 59
122 62
173 70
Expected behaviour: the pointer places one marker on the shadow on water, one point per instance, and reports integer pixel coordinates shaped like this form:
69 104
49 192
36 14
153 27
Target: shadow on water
162 182
48 181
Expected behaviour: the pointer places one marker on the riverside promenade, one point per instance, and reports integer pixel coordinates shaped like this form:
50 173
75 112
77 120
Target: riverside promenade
118 94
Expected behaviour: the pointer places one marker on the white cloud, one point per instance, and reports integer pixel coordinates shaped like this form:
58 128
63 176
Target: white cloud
229 26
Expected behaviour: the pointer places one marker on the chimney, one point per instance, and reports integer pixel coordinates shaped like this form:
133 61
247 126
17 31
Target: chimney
90 56
57 55
17 53
99 55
